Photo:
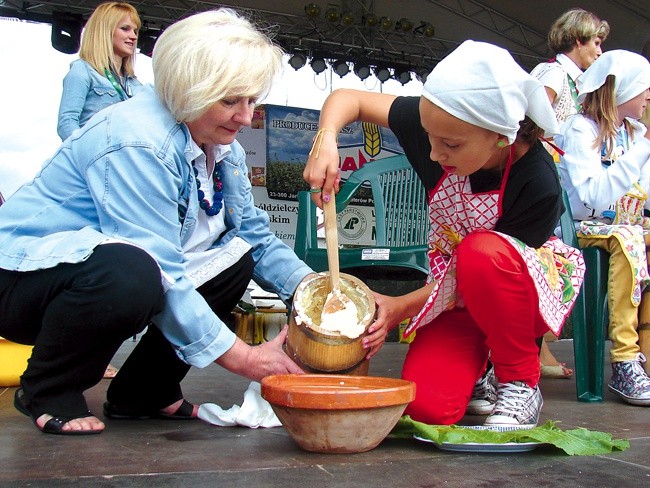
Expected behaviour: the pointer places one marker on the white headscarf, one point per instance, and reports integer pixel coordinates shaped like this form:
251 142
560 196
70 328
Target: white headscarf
483 85
632 72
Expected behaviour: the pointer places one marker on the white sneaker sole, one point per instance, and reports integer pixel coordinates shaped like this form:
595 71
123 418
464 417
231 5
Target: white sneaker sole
643 402
510 426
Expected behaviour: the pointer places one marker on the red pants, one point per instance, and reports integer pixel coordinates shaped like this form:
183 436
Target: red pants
501 316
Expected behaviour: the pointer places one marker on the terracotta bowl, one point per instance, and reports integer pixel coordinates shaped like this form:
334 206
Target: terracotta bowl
337 413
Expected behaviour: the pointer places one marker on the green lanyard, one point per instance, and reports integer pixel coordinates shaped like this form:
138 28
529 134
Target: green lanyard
121 89
574 92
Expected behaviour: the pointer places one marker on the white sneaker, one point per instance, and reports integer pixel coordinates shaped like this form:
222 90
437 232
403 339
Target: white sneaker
484 395
517 405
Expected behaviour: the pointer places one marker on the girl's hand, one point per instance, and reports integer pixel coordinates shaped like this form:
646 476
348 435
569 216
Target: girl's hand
322 169
390 312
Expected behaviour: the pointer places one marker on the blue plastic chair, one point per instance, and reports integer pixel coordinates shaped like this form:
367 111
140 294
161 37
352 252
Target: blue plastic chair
589 316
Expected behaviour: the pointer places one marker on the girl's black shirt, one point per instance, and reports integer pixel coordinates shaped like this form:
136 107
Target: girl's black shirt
532 199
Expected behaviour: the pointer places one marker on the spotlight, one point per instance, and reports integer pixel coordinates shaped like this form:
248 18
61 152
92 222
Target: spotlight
318 65
66 32
386 24
362 70
333 15
372 20
312 10
297 61
426 29
382 73
422 74
341 67
404 25
348 19
403 75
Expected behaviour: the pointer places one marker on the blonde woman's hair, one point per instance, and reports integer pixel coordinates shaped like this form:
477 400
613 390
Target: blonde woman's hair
97 39
601 107
211 56
575 25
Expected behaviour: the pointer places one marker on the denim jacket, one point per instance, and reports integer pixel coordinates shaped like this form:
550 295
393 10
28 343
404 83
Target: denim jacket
126 175
86 92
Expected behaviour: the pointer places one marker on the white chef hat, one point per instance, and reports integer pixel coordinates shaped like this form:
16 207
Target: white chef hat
632 72
483 85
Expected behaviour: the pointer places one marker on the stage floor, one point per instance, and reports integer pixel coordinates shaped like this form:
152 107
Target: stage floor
164 453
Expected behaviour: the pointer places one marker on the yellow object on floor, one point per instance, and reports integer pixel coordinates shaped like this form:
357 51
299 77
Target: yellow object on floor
13 361
402 327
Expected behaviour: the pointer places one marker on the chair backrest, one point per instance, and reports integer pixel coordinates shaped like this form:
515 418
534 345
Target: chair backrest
400 200
401 217
567 225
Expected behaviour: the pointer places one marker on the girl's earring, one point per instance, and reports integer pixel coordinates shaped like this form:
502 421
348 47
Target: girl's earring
501 144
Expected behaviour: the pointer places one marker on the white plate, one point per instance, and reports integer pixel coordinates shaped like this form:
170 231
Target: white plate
484 446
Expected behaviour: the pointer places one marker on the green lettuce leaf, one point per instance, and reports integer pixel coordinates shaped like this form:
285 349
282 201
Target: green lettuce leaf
573 442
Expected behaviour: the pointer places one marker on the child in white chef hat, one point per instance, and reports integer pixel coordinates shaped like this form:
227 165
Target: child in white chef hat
606 172
498 278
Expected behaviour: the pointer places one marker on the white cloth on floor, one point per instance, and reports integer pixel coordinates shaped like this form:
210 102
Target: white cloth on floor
254 412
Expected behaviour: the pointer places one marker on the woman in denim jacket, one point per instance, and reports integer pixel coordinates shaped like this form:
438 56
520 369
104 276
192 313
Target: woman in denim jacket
145 217
104 74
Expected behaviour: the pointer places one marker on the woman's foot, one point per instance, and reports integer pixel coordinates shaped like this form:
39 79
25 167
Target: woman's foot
551 367
83 425
556 371
181 408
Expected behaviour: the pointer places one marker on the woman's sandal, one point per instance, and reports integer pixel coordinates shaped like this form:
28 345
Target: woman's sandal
184 412
55 424
556 371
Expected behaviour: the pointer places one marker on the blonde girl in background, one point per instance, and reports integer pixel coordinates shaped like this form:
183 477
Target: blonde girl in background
606 172
104 74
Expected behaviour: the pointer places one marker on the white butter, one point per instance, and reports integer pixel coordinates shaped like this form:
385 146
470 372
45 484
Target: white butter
344 321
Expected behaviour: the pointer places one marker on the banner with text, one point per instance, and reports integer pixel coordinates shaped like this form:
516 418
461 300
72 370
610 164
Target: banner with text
277 147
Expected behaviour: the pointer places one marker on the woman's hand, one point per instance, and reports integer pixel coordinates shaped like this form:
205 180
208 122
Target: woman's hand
257 362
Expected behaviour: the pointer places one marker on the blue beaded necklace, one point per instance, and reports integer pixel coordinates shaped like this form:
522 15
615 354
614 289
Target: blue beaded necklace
217 185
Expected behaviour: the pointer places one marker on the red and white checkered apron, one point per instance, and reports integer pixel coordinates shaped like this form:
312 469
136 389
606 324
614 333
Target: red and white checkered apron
454 211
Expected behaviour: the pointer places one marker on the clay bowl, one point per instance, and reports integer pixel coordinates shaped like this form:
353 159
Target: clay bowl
337 413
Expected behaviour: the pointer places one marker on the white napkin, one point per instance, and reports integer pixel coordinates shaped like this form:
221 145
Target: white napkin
255 411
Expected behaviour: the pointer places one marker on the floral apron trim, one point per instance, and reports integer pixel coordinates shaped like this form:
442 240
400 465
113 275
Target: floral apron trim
629 227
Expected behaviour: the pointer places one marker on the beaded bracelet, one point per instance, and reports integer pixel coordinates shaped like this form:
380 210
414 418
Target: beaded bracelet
318 139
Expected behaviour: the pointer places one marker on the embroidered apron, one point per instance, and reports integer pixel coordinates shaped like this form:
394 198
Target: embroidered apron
454 212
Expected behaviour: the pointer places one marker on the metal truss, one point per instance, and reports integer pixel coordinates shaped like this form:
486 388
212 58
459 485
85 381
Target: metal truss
356 42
